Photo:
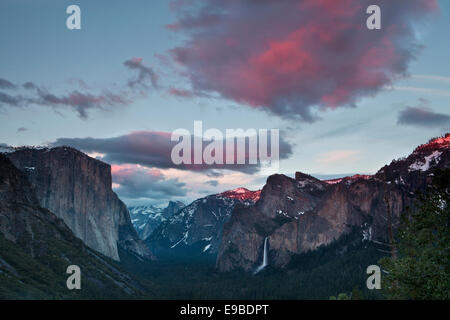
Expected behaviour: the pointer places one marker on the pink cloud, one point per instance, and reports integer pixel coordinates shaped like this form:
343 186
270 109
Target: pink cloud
337 157
126 170
290 57
180 93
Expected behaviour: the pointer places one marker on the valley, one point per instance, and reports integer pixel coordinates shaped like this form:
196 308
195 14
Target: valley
297 238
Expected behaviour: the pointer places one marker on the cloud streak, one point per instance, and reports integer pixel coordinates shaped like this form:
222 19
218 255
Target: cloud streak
137 182
429 91
80 100
431 77
339 156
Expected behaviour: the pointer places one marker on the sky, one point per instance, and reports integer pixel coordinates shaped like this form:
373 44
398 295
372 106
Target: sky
346 99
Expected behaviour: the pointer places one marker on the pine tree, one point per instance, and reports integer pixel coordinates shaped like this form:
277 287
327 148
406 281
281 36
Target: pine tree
421 270
356 294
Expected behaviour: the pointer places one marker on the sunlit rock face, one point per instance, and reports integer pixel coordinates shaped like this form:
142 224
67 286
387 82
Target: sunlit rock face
37 246
304 213
78 190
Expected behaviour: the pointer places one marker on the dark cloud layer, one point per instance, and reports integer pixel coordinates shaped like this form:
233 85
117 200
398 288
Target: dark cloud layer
145 74
30 85
153 149
290 57
422 116
5 84
10 100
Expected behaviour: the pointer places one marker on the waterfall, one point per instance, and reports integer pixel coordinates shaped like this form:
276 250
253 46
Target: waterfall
265 261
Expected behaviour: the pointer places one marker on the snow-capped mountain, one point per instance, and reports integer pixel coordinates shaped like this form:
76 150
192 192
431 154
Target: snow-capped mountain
145 219
196 230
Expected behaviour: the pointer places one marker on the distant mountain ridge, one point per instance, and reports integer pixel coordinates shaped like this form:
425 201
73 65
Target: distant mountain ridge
146 219
301 214
196 229
295 215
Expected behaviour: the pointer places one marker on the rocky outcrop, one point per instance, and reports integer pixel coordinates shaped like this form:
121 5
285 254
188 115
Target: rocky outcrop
301 214
36 247
146 219
196 230
77 188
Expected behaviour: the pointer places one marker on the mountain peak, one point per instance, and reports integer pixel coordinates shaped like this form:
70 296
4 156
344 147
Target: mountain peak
349 178
241 194
303 176
442 142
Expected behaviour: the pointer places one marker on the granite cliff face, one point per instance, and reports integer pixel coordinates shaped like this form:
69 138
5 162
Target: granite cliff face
36 247
77 189
304 213
196 230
